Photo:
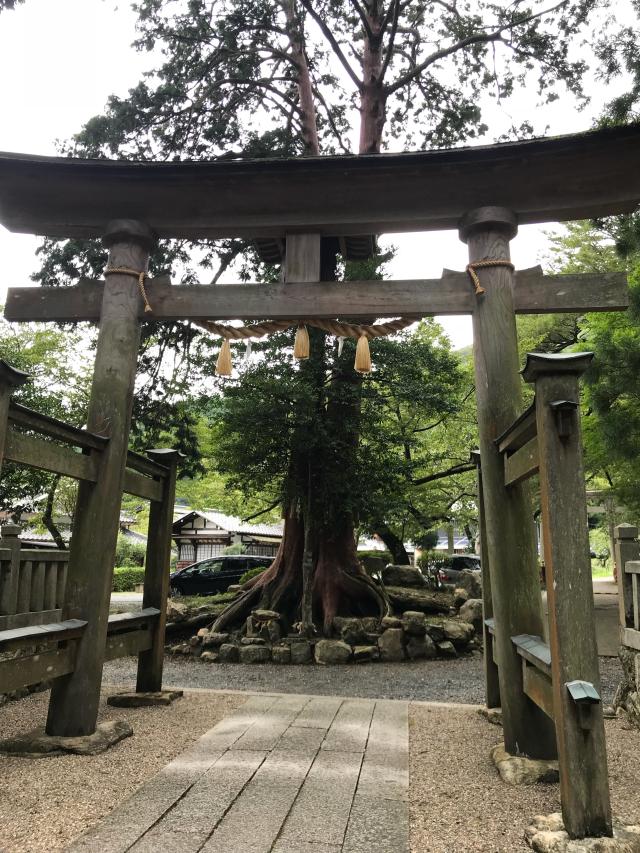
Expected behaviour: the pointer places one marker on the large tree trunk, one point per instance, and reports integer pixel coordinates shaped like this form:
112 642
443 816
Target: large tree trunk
319 541
394 544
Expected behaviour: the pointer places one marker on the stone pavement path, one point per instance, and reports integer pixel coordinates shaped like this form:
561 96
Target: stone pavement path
283 774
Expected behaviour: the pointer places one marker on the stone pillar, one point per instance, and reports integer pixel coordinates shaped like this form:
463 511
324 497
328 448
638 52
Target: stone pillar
511 547
73 708
584 784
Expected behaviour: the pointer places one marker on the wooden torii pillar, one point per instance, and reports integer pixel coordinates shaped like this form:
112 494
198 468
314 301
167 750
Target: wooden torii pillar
73 707
508 513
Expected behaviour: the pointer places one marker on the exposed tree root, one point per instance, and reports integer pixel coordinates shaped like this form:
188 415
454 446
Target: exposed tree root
341 587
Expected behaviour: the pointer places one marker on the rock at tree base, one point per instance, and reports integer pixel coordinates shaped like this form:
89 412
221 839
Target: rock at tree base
404 598
471 582
390 622
210 657
332 651
228 653
546 834
446 649
420 647
414 623
252 641
353 632
520 770
255 654
364 654
144 700
390 645
300 651
460 633
471 612
212 639
36 743
281 654
176 611
403 576
492 715
459 597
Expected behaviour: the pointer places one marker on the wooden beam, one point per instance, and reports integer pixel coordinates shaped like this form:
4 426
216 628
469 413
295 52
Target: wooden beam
630 637
543 180
534 293
131 643
35 453
522 464
54 428
21 672
141 486
538 688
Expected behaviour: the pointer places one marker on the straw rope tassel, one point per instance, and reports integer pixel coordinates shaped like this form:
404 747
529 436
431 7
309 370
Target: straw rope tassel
301 345
223 364
363 355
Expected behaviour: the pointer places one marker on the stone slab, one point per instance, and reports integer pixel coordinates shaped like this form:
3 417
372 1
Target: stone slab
301 739
144 700
282 846
377 826
321 811
319 712
253 823
37 744
268 727
350 728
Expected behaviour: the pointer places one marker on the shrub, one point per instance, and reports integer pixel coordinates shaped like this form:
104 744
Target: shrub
251 573
430 560
129 552
125 578
378 555
237 548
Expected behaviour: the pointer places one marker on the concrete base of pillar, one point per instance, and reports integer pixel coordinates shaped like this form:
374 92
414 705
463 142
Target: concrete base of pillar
37 744
144 700
547 835
520 770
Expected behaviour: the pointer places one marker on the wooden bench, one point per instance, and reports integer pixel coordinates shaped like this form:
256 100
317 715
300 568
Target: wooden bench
536 670
130 633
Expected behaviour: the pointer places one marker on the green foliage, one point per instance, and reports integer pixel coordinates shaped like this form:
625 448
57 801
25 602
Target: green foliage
125 578
129 552
237 548
252 573
434 560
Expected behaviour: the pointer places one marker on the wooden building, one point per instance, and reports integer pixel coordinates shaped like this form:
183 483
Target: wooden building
202 534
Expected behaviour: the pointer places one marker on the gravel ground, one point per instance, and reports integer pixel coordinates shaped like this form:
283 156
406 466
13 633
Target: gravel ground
47 802
459 680
458 803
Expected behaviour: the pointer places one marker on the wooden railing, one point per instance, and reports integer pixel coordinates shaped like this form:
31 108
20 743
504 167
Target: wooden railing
32 582
53 625
627 557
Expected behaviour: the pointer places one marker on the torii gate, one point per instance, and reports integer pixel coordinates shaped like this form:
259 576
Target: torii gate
287 207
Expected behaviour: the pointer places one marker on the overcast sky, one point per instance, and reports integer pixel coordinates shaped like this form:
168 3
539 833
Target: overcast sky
61 59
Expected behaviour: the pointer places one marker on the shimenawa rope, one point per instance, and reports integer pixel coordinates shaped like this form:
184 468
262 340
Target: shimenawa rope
140 275
478 265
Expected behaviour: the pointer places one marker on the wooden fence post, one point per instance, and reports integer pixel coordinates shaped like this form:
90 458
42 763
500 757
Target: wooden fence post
584 784
491 677
10 379
156 572
510 537
626 548
73 708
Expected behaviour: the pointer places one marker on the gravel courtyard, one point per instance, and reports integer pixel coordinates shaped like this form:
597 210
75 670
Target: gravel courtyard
459 680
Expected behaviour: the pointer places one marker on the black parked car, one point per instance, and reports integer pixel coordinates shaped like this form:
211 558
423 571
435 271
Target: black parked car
208 577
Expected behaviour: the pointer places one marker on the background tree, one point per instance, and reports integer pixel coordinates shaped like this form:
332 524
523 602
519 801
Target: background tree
305 77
